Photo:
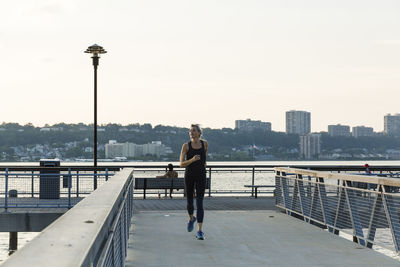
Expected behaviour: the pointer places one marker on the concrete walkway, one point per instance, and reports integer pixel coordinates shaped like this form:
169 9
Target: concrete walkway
210 203
241 238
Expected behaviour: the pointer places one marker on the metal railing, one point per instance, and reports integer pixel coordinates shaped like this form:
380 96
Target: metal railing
115 249
366 207
231 179
224 179
48 187
93 233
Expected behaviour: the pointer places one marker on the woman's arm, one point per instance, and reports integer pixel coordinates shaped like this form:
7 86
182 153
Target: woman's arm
184 163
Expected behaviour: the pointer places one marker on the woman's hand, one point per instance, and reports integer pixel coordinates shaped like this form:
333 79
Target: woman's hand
196 158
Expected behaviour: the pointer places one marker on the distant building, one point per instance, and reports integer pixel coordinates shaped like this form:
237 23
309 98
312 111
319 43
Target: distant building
250 125
154 148
113 150
392 124
298 122
88 149
131 150
339 130
359 131
310 146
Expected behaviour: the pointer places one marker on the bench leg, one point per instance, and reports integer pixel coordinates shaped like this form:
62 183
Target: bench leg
144 188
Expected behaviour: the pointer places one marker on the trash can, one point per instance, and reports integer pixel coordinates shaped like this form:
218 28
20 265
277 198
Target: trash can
49 184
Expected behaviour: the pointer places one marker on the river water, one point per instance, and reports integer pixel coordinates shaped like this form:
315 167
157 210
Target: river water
221 181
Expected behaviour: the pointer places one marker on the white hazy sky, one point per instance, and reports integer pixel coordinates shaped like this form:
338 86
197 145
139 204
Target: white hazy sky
211 62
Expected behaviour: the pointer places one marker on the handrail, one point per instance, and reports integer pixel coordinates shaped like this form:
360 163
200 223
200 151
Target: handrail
364 206
60 188
116 167
345 177
63 168
78 237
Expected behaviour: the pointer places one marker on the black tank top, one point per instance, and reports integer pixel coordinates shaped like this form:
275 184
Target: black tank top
198 167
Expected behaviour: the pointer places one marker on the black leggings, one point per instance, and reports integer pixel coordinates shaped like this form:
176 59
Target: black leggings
198 183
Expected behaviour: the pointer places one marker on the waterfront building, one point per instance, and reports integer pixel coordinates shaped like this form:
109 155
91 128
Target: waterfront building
113 150
310 146
154 148
298 122
250 125
359 131
131 150
339 130
392 124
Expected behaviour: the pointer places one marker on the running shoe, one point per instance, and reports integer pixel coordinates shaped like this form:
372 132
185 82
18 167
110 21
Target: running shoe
200 235
191 224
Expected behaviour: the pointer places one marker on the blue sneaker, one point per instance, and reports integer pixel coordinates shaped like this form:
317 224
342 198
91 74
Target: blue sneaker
200 235
191 224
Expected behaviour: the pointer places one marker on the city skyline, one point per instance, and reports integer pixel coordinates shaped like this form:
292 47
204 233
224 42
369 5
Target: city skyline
248 125
232 59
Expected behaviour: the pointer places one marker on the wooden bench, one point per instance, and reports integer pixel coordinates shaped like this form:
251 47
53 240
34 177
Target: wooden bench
259 186
161 183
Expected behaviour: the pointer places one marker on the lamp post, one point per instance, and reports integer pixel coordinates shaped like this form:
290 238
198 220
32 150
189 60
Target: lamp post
95 50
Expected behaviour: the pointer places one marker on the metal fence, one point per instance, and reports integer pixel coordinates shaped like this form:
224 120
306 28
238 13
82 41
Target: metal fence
366 207
232 179
115 249
224 179
48 187
93 233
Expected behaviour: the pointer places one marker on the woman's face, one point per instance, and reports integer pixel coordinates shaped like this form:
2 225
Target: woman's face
194 133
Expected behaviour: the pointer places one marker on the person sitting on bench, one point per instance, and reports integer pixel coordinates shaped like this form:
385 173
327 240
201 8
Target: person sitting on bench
169 174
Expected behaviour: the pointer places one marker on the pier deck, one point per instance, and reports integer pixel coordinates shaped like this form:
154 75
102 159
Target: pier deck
235 236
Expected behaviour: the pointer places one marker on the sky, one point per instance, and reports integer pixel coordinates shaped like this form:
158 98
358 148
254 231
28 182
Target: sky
211 62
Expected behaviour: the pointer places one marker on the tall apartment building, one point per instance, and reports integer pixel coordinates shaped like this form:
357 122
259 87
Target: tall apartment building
362 131
250 125
392 124
339 130
298 122
310 146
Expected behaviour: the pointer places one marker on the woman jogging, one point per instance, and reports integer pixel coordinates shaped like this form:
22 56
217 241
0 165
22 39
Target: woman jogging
193 158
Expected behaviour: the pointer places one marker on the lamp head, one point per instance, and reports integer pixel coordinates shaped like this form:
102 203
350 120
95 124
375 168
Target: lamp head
95 50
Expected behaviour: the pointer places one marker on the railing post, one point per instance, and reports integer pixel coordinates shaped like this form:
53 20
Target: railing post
6 192
252 182
95 179
302 196
77 183
285 192
114 259
69 187
358 235
373 222
32 185
392 217
209 185
121 236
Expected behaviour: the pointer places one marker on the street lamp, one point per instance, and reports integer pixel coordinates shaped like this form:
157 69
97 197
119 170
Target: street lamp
95 50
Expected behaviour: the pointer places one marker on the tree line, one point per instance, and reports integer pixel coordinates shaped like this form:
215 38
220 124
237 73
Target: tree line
221 140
